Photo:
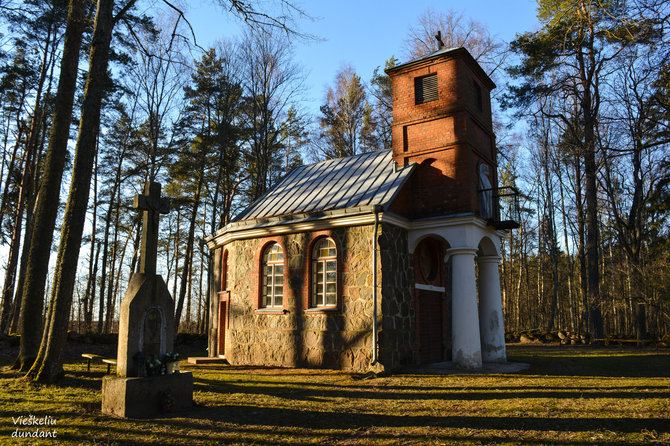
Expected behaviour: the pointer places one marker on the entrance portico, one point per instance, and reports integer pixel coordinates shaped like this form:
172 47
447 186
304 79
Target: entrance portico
477 329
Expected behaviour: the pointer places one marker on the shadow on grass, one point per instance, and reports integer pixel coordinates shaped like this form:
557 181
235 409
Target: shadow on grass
265 425
302 391
250 417
616 365
81 379
262 434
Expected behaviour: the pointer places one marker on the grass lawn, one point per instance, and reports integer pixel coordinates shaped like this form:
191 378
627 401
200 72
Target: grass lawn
570 395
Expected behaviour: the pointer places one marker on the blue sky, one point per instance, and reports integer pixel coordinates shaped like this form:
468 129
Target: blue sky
362 33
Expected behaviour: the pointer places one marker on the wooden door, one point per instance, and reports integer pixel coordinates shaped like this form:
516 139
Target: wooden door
429 301
223 322
430 324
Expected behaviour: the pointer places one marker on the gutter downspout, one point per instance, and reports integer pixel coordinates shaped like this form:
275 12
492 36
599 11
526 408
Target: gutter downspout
375 329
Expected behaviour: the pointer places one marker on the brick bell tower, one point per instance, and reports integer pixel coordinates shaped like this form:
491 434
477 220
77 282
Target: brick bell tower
442 122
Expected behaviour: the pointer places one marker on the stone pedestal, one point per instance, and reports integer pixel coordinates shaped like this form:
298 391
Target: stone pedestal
146 322
144 397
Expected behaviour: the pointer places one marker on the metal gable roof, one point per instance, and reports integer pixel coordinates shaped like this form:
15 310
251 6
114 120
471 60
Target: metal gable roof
367 179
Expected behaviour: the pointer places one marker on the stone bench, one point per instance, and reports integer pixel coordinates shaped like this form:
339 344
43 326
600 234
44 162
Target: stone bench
110 363
90 357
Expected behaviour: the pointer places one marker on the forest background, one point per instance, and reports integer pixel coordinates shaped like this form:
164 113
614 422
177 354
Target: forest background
97 98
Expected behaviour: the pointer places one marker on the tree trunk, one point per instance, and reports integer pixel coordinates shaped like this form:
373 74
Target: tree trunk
48 366
136 243
581 248
111 297
199 328
91 288
189 295
10 170
176 255
25 191
93 256
571 302
592 238
188 258
30 320
118 276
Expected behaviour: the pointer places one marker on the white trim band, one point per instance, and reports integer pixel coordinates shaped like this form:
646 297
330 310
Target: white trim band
421 286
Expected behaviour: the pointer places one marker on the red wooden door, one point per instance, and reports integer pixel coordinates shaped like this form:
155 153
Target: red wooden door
223 322
430 325
429 301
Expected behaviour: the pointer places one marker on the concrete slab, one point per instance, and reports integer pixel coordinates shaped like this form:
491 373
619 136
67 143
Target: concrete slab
200 360
451 368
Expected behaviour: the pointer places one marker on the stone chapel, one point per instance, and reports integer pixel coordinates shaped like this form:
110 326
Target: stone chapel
385 258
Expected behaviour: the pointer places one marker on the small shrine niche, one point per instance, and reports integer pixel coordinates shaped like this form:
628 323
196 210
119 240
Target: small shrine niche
152 333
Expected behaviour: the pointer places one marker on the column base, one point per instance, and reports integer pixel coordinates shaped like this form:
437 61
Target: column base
464 361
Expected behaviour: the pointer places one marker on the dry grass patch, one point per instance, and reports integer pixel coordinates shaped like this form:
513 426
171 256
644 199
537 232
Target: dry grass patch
571 395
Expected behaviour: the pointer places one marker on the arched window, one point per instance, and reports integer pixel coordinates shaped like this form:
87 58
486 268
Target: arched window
485 193
273 277
324 273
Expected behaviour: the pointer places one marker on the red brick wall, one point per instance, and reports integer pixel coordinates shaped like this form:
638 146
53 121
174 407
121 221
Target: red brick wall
447 137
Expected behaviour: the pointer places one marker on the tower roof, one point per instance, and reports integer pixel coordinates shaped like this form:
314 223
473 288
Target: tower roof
461 51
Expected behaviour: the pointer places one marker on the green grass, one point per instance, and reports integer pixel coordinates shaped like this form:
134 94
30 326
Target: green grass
570 395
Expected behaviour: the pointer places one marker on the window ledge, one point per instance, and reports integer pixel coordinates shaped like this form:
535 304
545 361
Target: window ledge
322 310
270 311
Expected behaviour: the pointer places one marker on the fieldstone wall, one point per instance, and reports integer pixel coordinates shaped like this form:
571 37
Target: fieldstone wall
396 340
296 336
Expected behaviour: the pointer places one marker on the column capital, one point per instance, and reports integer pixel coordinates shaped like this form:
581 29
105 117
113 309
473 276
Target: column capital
462 251
488 259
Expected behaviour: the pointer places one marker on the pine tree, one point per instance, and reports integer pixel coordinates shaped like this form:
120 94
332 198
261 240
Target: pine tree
48 199
48 365
383 107
568 57
347 123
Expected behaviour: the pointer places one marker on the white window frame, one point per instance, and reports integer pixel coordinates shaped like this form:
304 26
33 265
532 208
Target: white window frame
271 266
323 261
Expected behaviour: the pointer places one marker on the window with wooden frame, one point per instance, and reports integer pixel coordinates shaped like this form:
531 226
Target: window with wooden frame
324 274
272 284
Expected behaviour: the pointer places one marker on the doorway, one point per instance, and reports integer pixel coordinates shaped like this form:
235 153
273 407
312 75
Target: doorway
430 302
223 323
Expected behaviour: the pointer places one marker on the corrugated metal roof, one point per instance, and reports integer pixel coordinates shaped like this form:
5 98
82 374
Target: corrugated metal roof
367 179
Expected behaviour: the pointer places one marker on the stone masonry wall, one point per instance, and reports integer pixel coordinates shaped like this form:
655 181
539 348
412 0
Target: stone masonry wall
297 336
396 340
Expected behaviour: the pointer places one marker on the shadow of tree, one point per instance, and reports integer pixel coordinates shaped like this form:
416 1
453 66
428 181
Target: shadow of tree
307 391
264 417
573 362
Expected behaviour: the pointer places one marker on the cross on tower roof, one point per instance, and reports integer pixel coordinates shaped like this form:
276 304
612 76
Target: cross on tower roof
440 43
152 204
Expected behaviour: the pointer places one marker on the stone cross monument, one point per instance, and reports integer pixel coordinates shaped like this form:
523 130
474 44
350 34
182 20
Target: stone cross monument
146 329
152 205
146 323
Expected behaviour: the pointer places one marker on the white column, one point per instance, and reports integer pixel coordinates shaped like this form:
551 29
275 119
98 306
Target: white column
465 340
491 327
